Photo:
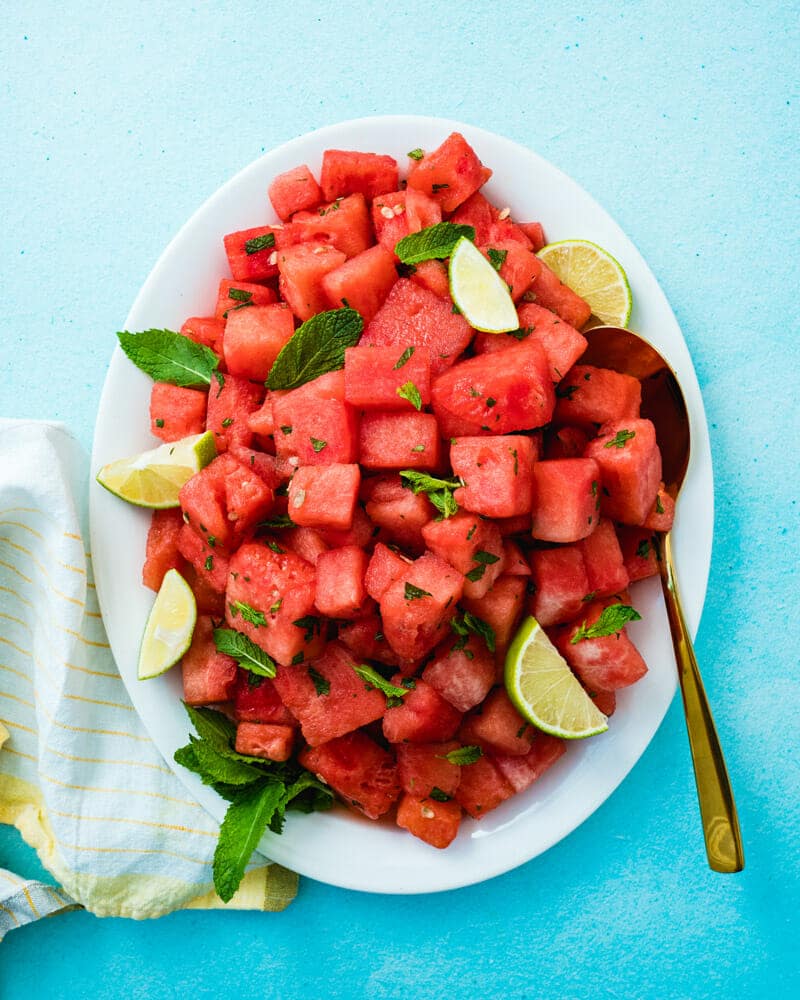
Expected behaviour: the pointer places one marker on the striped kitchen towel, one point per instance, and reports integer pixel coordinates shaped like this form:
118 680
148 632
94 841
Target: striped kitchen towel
79 776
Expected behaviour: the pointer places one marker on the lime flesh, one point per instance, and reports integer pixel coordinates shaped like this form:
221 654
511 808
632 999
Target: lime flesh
478 291
170 626
595 275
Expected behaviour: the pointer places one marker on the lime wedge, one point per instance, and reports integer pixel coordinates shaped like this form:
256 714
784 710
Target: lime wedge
479 292
169 628
595 275
545 691
154 478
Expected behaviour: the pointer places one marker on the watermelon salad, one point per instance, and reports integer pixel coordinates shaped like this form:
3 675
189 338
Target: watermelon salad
392 492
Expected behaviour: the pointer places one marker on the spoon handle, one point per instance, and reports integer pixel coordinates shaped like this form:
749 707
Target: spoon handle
717 807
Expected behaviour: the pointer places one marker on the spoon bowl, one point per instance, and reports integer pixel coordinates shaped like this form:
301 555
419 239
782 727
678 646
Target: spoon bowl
663 403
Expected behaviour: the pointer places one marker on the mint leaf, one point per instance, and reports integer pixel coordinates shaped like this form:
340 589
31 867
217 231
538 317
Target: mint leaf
318 445
405 356
619 439
659 505
410 392
245 823
215 768
432 243
521 333
412 593
263 242
167 356
483 559
240 295
487 558
612 620
416 154
477 626
321 684
248 655
279 521
497 257
213 727
438 795
464 755
311 624
250 614
316 347
371 677
439 491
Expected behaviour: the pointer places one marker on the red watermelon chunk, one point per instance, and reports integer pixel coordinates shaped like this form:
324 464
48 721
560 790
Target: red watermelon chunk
514 562
479 213
209 561
209 601
630 468
589 396
432 274
208 675
345 172
561 582
422 767
385 566
553 294
662 513
340 582
268 740
562 343
206 330
518 525
251 253
417 316
248 499
482 788
497 726
294 191
313 431
176 412
566 492
202 499
497 474
302 268
604 664
324 496
261 421
366 641
257 700
327 696
510 391
463 676
360 533
399 513
521 771
417 606
535 233
602 557
500 608
278 588
255 337
519 268
362 773
450 173
430 820
344 224
306 542
639 551
399 213
471 545
565 442
362 282
237 296
231 400
399 441
162 552
423 717
374 374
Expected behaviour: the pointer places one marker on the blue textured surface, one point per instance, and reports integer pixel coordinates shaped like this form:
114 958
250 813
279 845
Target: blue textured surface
681 119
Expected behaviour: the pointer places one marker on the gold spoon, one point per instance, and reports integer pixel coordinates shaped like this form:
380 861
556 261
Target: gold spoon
663 403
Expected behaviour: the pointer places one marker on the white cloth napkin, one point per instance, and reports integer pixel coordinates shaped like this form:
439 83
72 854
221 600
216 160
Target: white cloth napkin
79 777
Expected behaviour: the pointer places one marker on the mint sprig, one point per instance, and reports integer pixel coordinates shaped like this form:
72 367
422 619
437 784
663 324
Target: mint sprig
167 356
613 619
439 491
316 347
432 243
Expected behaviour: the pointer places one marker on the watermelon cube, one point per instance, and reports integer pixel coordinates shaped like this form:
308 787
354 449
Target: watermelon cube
589 396
306 542
374 374
327 697
344 224
202 500
255 699
423 717
497 473
607 663
500 607
630 467
235 296
535 233
365 639
553 294
255 337
471 545
565 442
565 494
209 561
640 554
231 400
268 593
251 253
482 788
360 533
561 582
662 513
302 268
463 675
176 412
519 268
362 773
208 600
423 767
479 213
206 330
399 441
417 606
248 499
361 282
450 173
294 191
208 675
162 553
340 582
268 740
562 343
602 557
431 820
517 525
497 726
399 513
510 391
390 219
261 421
432 274
385 566
514 562
314 431
419 317
345 172
521 771
324 496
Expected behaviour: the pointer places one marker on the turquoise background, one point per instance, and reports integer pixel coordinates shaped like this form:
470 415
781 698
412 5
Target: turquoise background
681 119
